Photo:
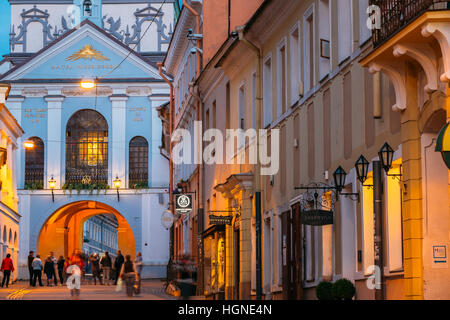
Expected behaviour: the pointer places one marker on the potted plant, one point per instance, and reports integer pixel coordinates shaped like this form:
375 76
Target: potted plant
324 291
343 289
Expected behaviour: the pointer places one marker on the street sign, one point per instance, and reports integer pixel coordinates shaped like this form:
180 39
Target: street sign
167 219
317 217
183 203
220 220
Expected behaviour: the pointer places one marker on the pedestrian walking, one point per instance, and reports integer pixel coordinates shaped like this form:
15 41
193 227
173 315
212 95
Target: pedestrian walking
74 279
49 270
7 268
60 264
118 262
30 268
130 275
138 263
37 271
95 263
106 263
55 266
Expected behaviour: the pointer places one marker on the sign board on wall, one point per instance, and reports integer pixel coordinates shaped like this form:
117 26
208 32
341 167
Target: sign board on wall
317 217
440 256
220 220
183 203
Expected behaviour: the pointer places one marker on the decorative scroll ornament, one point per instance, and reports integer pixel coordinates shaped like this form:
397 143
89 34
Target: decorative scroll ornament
322 198
35 15
146 14
109 24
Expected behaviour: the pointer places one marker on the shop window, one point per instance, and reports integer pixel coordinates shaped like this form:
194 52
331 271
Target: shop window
34 165
368 224
138 162
393 217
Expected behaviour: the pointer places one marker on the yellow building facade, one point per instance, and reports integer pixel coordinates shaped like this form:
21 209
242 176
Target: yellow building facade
10 132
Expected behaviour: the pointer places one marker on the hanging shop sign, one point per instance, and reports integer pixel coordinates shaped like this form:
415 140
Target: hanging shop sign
317 217
183 203
220 220
167 219
443 144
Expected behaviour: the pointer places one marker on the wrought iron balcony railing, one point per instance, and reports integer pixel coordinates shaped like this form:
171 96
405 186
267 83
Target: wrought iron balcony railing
396 14
34 178
138 179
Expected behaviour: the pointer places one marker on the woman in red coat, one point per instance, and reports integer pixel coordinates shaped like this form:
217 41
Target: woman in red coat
7 267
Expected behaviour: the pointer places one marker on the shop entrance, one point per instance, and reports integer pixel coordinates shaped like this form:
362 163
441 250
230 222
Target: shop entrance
291 242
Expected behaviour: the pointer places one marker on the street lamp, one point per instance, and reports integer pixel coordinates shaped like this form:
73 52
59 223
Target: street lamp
28 144
52 185
362 169
87 84
339 178
386 155
117 182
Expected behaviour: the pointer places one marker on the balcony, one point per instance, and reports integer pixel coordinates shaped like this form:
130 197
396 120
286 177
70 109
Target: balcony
396 14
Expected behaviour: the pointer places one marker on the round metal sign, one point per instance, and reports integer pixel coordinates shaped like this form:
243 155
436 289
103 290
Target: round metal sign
183 201
167 219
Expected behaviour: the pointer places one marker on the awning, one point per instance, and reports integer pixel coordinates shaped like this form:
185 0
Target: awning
443 144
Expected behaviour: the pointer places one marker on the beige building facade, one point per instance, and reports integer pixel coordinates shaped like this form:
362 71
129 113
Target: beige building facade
310 72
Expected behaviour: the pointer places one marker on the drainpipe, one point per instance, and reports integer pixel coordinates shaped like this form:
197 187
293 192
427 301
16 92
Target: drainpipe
258 209
199 167
170 150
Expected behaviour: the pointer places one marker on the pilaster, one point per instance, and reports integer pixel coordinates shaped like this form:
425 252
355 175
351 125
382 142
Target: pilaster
412 199
118 132
54 140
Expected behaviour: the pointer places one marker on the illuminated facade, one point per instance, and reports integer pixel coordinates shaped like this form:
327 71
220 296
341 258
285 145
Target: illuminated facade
335 91
85 88
10 133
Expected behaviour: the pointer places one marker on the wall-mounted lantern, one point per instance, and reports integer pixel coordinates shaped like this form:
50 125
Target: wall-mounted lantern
117 182
52 185
386 155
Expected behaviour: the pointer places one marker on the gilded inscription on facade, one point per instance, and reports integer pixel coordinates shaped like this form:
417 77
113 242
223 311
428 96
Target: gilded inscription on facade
137 113
35 114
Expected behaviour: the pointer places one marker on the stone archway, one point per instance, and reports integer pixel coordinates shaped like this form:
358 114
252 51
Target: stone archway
62 231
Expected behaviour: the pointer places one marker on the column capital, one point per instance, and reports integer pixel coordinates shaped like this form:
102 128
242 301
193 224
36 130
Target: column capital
118 97
54 98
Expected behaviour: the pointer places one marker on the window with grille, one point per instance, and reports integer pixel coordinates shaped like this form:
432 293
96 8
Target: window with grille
87 148
34 165
138 174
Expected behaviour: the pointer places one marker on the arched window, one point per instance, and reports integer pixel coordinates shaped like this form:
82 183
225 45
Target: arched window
138 174
87 148
34 165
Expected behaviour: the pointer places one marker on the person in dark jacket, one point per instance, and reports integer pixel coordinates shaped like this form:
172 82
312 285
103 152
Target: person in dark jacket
95 263
37 270
61 263
30 267
7 268
106 263
49 270
118 265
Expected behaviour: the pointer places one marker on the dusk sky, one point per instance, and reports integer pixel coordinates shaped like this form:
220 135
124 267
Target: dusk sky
5 29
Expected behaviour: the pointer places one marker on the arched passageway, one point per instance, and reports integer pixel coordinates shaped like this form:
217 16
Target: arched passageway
62 232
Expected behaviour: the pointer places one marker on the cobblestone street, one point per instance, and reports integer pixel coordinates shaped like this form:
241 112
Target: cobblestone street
151 290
